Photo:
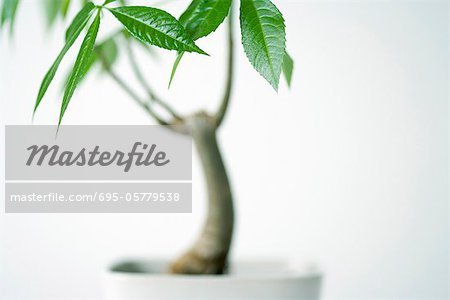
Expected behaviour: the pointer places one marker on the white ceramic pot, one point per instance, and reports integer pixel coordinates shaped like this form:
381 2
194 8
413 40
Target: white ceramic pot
143 279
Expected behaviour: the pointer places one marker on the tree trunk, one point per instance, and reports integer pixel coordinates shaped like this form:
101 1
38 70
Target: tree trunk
209 253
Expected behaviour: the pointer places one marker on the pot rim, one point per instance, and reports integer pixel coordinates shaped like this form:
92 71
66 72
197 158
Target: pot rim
278 269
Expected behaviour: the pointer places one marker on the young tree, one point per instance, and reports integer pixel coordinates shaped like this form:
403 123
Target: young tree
264 41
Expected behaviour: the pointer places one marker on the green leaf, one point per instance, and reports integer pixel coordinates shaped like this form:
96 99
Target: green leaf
175 66
109 51
52 8
108 48
9 9
147 47
81 64
288 68
75 27
80 19
92 62
203 17
65 8
108 2
156 27
263 38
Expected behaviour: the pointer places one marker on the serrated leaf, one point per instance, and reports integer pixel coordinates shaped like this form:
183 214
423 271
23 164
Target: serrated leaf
156 27
81 64
77 25
81 17
203 17
9 9
263 38
109 51
288 68
91 64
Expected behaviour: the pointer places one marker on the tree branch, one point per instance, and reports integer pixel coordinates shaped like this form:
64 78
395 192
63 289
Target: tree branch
129 91
220 115
145 84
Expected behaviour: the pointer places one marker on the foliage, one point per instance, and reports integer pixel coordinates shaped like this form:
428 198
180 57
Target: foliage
81 64
9 9
72 33
262 29
156 27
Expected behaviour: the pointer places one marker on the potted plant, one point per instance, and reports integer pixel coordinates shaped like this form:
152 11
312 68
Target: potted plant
264 41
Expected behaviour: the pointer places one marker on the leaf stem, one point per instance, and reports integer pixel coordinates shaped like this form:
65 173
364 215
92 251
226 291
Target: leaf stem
220 115
145 84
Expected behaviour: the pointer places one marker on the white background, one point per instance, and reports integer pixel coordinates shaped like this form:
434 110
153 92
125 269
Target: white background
347 170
